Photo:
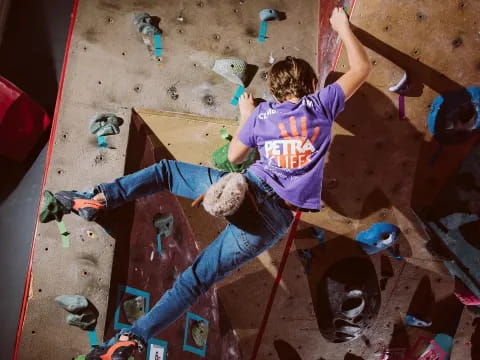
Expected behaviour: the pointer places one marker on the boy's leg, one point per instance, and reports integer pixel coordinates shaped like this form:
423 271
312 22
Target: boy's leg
182 179
230 250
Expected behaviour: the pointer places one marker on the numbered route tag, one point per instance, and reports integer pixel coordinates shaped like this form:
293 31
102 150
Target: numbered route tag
157 352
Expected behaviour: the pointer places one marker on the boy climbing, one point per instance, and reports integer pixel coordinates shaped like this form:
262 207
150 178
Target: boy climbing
292 136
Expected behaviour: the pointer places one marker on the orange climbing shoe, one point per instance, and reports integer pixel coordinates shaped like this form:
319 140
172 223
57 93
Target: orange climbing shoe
80 204
116 349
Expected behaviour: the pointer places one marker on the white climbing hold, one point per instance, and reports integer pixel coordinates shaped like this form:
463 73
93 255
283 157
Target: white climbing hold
231 69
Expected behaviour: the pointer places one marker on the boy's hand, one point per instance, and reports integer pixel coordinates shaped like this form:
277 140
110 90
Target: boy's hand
339 20
246 105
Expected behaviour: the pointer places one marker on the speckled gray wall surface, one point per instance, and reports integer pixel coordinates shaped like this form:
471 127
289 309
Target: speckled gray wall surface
110 69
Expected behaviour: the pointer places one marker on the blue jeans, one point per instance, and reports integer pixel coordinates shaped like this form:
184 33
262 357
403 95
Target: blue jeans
246 236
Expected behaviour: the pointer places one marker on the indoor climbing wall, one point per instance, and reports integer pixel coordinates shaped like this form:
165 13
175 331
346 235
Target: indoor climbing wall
110 67
378 169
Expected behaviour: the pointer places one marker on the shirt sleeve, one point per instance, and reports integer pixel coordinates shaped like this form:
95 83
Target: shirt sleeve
246 134
331 99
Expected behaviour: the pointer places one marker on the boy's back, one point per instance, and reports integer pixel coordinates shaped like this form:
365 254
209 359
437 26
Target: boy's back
293 139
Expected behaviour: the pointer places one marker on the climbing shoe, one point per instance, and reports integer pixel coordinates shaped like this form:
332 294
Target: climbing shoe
79 203
116 349
50 209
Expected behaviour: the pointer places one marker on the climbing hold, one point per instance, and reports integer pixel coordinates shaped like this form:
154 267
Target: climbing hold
83 313
378 237
199 330
220 156
72 303
402 86
105 124
411 320
348 299
270 15
164 224
51 209
85 321
234 70
225 196
305 256
134 308
464 294
438 348
455 116
145 24
319 234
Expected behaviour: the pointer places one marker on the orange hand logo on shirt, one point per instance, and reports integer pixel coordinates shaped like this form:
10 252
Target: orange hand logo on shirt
293 151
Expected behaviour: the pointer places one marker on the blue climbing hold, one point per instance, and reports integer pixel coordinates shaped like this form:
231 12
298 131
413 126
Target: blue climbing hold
455 115
414 321
319 234
379 237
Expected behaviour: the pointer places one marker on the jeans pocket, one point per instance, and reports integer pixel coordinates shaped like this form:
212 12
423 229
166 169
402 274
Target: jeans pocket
275 217
255 244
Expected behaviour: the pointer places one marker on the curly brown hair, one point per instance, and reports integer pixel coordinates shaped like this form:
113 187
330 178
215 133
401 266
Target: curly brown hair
291 77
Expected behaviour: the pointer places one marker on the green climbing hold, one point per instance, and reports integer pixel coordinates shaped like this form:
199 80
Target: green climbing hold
80 357
85 321
51 209
134 308
220 156
199 333
72 303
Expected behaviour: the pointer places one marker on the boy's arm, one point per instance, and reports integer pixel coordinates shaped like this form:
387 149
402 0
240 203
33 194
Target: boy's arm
358 60
238 151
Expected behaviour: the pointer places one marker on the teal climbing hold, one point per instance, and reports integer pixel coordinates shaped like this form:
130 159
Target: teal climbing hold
50 209
72 303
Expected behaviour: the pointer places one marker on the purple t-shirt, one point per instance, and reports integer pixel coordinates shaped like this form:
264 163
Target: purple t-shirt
293 140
